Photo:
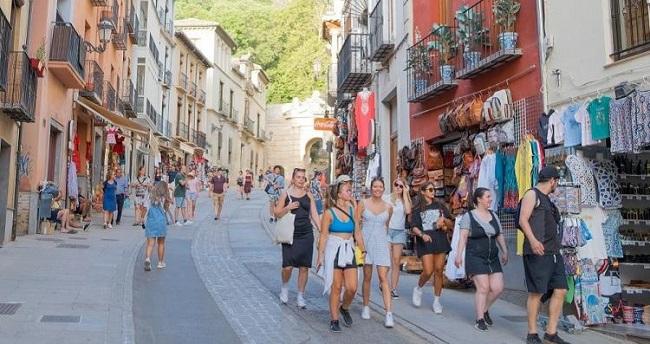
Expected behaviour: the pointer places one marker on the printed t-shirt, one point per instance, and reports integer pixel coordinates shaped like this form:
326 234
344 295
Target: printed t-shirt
599 116
555 134
572 130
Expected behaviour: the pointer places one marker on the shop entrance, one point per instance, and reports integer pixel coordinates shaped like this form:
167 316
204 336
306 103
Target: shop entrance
53 166
5 156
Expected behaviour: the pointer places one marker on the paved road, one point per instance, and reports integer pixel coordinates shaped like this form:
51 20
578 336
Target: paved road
221 286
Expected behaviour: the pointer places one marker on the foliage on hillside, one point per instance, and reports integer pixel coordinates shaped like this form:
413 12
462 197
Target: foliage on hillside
282 36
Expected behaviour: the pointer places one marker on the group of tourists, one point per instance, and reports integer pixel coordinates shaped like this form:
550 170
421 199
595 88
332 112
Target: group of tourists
373 231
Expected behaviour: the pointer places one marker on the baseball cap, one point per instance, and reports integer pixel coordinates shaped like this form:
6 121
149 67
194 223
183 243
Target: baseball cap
344 178
547 173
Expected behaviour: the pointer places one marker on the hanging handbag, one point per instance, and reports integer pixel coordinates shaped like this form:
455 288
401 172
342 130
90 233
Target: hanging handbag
475 112
284 227
434 159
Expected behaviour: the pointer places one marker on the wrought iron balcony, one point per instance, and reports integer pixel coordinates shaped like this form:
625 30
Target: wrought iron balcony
198 138
234 115
183 131
129 98
431 64
168 129
5 46
121 35
484 45
160 124
67 55
261 136
142 38
167 80
182 82
331 84
18 101
224 109
343 99
94 88
192 91
131 23
200 96
99 3
112 14
381 37
109 96
249 125
354 65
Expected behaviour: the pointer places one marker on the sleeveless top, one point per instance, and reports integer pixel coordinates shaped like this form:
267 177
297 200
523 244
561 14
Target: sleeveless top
544 222
398 219
480 244
338 226
302 221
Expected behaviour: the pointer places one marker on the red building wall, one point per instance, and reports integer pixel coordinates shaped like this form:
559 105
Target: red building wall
523 73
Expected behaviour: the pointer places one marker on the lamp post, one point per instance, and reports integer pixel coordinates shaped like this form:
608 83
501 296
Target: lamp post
105 30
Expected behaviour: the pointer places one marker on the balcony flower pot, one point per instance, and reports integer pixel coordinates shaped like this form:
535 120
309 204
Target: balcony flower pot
471 59
37 66
447 73
472 34
508 40
421 85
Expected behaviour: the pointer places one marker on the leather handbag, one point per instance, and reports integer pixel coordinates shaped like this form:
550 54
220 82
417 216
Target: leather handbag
475 112
284 227
434 159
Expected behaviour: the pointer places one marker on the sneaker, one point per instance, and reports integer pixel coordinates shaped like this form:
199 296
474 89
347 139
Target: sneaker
300 301
188 222
284 295
334 326
216 218
147 265
270 220
554 339
533 338
178 223
110 226
437 307
488 320
417 296
389 322
394 294
345 314
481 325
365 313
161 265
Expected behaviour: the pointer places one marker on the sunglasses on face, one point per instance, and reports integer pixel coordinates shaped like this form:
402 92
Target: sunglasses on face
429 189
397 185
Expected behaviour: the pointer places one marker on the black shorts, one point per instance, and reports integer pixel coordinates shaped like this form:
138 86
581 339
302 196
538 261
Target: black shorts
349 266
544 273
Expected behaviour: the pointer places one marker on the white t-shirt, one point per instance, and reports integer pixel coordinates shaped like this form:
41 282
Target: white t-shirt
556 127
595 248
582 117
398 219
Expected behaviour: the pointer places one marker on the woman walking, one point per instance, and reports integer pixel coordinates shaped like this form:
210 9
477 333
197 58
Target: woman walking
276 180
299 254
240 184
193 189
248 184
156 225
109 203
400 200
336 253
483 244
142 185
430 225
375 214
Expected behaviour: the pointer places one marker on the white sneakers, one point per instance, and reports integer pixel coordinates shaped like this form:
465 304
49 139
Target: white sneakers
437 307
300 301
417 296
388 321
284 295
189 222
161 265
365 313
178 223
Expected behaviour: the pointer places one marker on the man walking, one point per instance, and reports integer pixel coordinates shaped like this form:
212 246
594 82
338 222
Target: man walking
218 188
180 191
121 192
543 264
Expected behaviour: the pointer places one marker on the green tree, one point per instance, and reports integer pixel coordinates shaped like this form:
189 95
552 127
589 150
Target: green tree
283 37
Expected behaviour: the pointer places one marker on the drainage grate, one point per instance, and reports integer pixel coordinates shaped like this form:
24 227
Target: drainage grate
61 318
77 238
109 240
49 239
9 308
515 318
72 246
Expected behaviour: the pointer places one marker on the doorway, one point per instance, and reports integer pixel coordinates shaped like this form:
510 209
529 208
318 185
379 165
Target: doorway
5 157
55 146
393 140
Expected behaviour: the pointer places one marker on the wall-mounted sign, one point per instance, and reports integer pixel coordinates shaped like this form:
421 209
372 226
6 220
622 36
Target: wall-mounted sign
325 124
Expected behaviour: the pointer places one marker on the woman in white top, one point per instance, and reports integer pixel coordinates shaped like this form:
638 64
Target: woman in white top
374 214
401 202
141 186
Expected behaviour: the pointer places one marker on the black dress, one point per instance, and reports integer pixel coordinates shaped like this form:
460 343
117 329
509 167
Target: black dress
300 253
482 252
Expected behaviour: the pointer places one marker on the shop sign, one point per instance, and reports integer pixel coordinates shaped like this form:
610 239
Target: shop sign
325 124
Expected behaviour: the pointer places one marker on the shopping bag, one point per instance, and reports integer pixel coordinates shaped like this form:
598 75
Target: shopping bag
451 271
283 229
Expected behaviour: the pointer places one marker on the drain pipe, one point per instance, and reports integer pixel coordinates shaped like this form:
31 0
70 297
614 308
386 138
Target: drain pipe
541 34
14 221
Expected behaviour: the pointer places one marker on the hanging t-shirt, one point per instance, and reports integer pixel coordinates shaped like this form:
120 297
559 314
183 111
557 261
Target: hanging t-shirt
364 112
599 116
555 134
572 130
487 178
582 117
111 135
118 148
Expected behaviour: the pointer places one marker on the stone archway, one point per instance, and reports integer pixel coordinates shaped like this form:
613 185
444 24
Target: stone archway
316 157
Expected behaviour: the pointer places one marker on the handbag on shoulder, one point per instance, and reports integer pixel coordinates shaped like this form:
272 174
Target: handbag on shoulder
284 227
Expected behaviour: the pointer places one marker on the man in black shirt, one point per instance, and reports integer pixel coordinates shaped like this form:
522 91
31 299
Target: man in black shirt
543 264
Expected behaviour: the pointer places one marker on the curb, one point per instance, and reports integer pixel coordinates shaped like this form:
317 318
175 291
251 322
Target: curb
128 324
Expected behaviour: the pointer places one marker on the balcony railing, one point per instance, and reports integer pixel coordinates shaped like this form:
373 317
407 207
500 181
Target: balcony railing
139 105
131 25
201 96
67 46
168 78
109 96
630 27
142 38
112 14
199 138
249 125
19 99
261 136
94 88
192 91
182 82
183 131
381 40
129 98
354 65
168 129
121 35
431 64
234 114
99 3
160 124
5 43
224 108
483 44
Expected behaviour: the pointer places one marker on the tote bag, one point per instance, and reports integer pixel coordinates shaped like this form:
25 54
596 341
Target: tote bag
451 271
283 231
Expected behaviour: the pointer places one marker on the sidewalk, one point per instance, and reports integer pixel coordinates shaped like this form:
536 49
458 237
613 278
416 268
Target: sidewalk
71 288
456 324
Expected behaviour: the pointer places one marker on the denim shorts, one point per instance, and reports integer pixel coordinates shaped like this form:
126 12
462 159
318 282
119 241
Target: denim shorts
397 236
180 202
193 196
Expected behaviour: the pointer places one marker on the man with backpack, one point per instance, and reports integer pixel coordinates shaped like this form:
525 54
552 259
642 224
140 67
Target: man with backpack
539 220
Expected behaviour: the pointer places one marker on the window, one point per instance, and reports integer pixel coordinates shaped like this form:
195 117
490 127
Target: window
220 95
229 150
232 104
630 27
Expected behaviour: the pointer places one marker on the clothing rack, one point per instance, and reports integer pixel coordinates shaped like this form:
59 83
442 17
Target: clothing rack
638 82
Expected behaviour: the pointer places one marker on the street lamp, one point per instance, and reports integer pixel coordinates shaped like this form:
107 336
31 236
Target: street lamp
105 28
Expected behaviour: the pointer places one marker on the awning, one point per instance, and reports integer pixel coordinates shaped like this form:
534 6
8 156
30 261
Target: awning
112 117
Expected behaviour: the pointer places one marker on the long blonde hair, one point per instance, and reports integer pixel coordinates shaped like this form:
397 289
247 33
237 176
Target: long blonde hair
159 193
393 196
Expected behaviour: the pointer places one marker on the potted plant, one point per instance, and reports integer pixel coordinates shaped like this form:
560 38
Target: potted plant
420 61
38 63
505 14
446 46
472 34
